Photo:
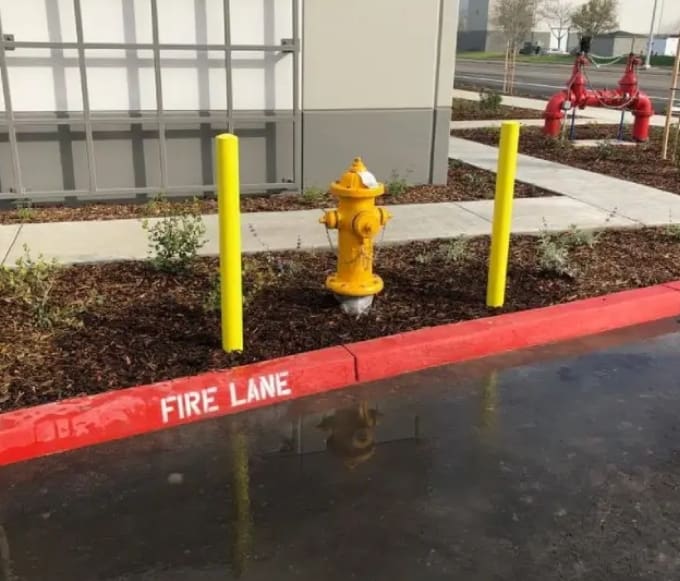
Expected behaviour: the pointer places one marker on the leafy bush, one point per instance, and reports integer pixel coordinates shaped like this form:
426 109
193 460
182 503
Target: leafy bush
553 253
454 250
313 195
397 186
30 282
25 210
576 237
174 241
490 100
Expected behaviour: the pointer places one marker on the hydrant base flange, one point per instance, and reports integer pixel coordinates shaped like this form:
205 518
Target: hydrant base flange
364 288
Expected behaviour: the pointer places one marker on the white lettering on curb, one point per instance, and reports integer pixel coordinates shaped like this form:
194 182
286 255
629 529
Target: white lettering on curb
264 387
201 402
190 404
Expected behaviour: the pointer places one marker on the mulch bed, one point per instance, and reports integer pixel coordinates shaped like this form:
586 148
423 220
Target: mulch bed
641 163
466 110
465 183
134 325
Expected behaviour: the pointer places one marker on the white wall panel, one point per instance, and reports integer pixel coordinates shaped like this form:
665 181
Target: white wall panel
49 80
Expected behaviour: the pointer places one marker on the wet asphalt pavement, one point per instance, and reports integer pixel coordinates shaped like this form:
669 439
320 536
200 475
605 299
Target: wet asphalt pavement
554 464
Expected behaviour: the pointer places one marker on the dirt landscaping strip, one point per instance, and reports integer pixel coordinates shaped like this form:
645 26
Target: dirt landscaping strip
465 183
466 110
124 324
640 163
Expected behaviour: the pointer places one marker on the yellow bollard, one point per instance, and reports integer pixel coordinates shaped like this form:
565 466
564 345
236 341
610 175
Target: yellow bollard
502 214
229 209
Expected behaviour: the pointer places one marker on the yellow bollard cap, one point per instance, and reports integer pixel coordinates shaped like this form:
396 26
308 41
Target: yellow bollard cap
357 182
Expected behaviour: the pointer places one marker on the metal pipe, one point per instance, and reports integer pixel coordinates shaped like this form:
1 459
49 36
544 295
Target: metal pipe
671 100
9 112
229 68
650 42
85 92
145 46
162 144
297 116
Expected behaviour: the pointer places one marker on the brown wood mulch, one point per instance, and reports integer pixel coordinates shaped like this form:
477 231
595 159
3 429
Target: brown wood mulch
465 183
129 324
466 110
636 163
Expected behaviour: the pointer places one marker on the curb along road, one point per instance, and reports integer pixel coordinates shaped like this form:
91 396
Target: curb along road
85 421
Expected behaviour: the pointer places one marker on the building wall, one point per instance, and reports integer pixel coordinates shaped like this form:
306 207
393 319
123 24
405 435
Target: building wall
377 80
383 93
48 81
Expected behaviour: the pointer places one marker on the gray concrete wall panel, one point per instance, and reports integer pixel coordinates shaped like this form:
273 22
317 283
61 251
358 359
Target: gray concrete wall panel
369 55
390 141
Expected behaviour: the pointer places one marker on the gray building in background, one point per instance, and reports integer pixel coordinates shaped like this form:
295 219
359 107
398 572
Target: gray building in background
120 98
477 31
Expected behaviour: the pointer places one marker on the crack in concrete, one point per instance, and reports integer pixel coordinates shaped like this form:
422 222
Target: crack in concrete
12 244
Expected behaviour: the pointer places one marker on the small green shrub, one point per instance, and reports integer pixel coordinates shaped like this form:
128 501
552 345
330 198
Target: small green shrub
212 301
454 250
397 186
424 258
313 195
576 237
174 241
30 282
553 253
490 100
605 150
25 210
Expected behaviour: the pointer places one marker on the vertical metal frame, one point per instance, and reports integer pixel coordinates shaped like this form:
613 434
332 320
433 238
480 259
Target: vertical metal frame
297 115
161 118
229 69
85 91
162 143
9 113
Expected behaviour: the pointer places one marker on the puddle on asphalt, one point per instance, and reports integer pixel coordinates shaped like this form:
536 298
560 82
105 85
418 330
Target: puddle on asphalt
556 468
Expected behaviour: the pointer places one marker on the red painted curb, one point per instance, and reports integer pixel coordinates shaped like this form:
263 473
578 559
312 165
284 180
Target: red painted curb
85 421
417 350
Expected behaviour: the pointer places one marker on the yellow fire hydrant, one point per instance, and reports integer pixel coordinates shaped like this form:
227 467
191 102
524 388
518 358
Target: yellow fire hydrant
358 221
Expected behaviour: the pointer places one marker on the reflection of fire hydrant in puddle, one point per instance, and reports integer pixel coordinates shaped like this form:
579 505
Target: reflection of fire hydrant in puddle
351 433
358 221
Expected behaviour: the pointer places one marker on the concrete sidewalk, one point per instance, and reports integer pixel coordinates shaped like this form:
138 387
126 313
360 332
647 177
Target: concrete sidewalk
637 203
78 242
587 200
588 115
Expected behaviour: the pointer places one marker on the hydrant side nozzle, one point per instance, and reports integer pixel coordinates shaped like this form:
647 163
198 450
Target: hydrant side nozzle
330 218
385 216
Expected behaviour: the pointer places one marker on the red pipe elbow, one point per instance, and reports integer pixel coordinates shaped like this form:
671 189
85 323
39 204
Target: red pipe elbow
643 111
554 113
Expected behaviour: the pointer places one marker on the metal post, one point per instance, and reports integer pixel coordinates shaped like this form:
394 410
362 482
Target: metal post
228 199
650 42
87 114
9 112
623 118
297 117
572 128
229 67
502 214
162 143
671 101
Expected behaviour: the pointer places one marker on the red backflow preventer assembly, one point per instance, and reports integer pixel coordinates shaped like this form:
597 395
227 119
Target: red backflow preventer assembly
627 97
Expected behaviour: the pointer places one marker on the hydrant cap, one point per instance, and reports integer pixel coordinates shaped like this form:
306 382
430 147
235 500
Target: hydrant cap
357 182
